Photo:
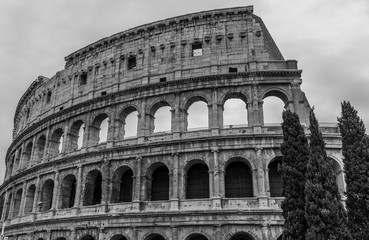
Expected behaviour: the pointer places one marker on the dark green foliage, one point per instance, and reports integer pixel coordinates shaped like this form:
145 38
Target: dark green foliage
325 215
356 160
295 156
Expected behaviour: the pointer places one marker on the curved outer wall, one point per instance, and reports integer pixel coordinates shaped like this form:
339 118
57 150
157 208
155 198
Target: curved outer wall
55 188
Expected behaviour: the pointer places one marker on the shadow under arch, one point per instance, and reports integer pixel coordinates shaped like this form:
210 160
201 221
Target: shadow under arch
197 236
155 236
242 236
119 237
157 182
238 178
122 189
279 93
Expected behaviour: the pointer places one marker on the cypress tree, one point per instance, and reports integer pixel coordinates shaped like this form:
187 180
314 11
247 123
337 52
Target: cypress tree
325 214
356 161
295 156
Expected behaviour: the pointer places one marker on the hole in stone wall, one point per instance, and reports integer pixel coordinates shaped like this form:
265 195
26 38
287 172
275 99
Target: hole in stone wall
47 195
198 116
197 49
275 178
30 197
68 191
272 110
17 203
160 184
83 78
197 182
48 96
103 93
93 188
131 62
163 79
162 119
233 70
130 127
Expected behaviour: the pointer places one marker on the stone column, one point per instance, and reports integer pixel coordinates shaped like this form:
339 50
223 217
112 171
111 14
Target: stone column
65 139
22 164
32 157
265 232
55 191
137 188
263 199
217 201
73 234
142 124
174 233
267 186
111 128
176 117
174 202
105 184
77 202
46 150
216 115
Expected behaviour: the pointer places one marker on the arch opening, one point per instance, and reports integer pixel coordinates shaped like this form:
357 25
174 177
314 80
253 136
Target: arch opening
47 195
76 135
17 202
27 154
340 180
197 184
93 188
163 119
2 203
118 237
56 142
129 122
155 237
235 113
242 236
40 148
275 178
198 116
122 185
273 108
160 184
87 237
238 180
99 129
30 198
196 236
67 191
7 206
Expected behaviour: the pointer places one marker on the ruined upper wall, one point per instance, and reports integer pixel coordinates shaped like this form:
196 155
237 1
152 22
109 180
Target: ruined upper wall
229 40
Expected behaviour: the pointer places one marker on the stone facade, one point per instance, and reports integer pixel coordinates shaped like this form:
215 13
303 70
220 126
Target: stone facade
73 174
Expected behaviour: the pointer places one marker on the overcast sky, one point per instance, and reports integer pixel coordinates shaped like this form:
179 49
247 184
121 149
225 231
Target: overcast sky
330 40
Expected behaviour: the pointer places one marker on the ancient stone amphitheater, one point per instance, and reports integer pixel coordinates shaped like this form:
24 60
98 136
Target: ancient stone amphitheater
74 173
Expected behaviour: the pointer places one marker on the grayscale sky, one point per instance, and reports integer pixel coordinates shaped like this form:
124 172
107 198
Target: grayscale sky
330 39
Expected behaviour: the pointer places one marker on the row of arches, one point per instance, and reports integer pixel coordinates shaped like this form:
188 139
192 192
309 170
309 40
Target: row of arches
156 236
197 111
157 183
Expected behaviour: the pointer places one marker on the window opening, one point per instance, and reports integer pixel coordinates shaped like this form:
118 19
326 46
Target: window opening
103 93
198 182
233 70
238 180
160 184
131 62
196 49
163 79
235 112
48 97
83 78
275 179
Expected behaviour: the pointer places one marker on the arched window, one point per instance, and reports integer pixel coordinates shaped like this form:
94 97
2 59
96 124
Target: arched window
40 148
93 188
56 142
234 113
155 237
118 237
238 180
99 129
17 160
197 181
162 119
17 203
122 185
76 135
275 178
272 110
7 206
87 237
47 195
197 115
30 197
160 184
197 236
27 154
67 191
129 122
242 236
339 176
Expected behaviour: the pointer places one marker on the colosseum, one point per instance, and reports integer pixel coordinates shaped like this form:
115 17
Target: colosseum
75 171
